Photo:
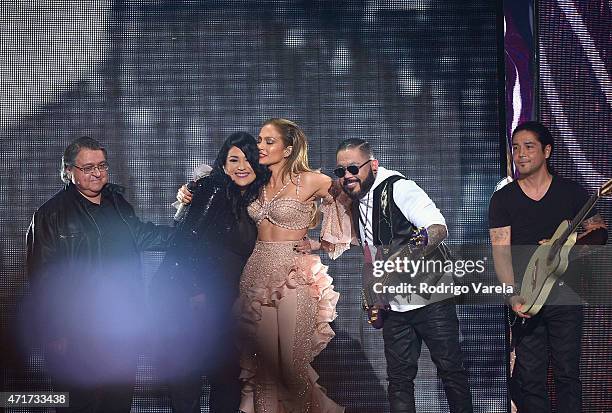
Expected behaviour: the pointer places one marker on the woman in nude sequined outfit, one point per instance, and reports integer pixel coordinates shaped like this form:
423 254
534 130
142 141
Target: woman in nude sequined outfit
287 299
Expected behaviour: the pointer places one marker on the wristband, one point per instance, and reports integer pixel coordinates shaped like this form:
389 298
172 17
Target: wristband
508 296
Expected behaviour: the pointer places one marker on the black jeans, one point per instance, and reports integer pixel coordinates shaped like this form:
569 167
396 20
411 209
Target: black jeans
196 342
437 325
99 376
560 328
116 398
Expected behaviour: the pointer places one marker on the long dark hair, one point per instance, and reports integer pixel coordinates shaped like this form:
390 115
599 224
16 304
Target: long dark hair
248 145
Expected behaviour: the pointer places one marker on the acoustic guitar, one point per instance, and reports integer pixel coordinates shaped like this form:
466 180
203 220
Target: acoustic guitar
550 260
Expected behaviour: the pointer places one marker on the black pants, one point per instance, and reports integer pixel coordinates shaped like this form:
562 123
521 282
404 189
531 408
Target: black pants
186 389
99 377
115 398
196 342
437 325
558 327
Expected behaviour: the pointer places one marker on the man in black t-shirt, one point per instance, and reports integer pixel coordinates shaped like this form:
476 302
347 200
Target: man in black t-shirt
524 214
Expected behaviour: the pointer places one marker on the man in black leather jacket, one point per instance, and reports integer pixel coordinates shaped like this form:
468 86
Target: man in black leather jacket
87 304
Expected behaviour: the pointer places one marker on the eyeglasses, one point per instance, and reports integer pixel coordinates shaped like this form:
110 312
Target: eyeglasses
353 169
88 170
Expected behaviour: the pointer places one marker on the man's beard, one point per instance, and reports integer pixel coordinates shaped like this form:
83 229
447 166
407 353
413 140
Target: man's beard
364 187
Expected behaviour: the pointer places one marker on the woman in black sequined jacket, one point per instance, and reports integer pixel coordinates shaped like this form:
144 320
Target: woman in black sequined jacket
197 283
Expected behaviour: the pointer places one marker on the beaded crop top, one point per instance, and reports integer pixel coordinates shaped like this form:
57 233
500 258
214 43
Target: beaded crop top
288 213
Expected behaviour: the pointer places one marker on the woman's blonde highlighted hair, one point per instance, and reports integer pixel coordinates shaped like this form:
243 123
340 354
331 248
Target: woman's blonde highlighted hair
297 161
295 137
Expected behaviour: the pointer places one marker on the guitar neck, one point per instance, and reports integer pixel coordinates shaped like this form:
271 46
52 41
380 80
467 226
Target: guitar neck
579 218
559 242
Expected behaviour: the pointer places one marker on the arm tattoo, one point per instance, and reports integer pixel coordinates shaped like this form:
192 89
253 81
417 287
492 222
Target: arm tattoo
502 254
595 232
500 236
436 233
595 222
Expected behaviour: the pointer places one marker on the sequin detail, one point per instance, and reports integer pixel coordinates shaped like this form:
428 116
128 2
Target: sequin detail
286 213
273 270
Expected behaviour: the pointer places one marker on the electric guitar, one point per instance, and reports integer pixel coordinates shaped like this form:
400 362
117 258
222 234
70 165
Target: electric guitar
550 260
374 304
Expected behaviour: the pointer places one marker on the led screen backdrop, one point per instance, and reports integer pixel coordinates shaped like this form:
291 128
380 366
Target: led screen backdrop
575 95
519 71
163 83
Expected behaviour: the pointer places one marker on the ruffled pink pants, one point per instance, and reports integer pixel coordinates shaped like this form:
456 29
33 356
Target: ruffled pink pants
286 303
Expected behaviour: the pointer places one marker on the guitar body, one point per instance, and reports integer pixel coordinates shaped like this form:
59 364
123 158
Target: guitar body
550 260
375 304
546 266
